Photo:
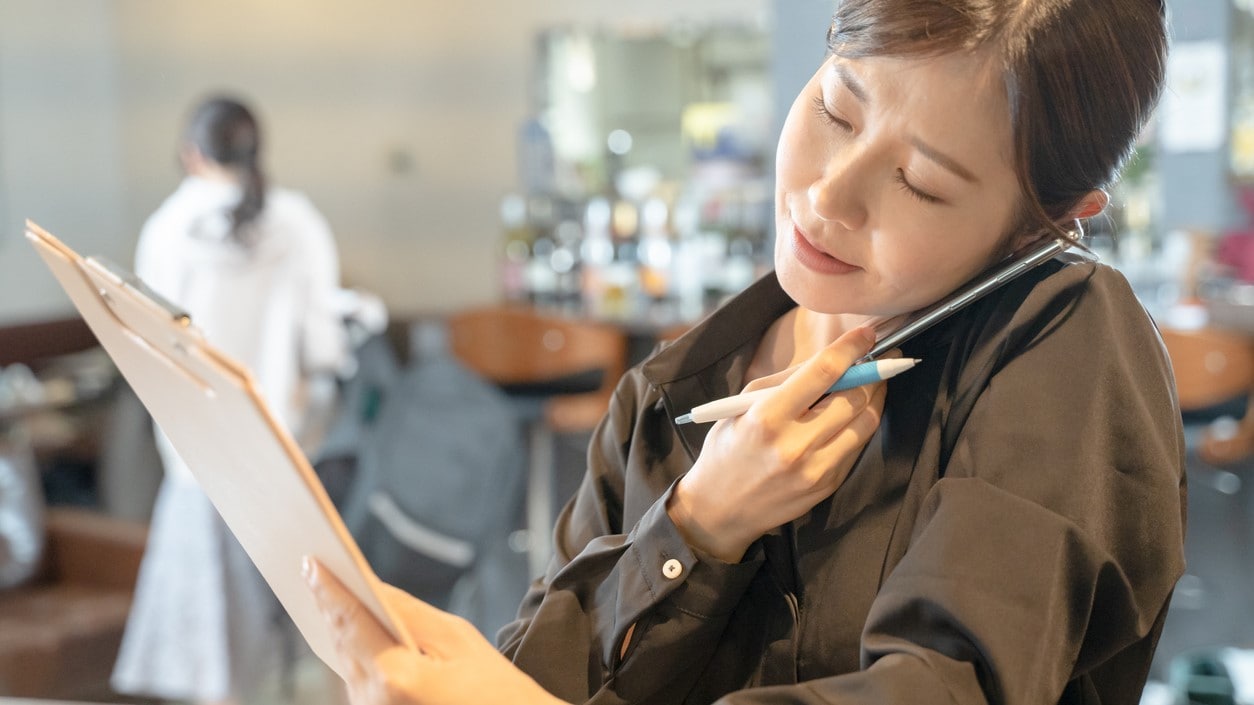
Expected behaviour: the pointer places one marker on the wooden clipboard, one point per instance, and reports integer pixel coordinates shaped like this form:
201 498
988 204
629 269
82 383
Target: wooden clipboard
245 461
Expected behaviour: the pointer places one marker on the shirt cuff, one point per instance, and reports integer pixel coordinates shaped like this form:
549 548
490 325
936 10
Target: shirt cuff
667 568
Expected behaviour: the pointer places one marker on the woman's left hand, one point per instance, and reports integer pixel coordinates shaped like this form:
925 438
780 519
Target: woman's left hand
454 664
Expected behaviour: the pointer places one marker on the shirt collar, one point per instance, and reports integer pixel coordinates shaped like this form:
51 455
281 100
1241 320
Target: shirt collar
710 360
743 319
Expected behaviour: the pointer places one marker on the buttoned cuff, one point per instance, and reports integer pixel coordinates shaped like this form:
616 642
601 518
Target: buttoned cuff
665 567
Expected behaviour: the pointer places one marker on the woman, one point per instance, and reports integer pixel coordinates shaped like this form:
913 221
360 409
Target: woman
1003 523
257 270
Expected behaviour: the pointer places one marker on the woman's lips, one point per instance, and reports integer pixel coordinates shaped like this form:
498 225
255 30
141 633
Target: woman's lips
814 259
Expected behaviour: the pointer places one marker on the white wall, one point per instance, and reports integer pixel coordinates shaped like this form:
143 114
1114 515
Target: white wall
61 163
93 92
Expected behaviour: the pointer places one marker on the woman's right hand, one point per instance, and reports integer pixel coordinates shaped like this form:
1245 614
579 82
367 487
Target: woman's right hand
453 664
779 459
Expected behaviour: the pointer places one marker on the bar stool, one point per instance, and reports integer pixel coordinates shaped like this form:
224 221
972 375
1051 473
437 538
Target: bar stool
1212 367
560 372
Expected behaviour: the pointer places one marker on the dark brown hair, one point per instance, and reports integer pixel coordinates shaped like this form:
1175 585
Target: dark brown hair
1081 76
226 132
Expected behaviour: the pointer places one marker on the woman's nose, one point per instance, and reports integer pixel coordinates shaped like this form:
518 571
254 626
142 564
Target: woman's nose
837 195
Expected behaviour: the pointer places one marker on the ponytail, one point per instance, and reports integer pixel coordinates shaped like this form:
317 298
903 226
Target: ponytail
252 200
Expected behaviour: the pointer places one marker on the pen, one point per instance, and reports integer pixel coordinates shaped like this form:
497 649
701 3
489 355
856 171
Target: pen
855 376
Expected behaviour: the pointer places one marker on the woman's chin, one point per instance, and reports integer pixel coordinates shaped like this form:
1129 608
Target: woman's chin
816 293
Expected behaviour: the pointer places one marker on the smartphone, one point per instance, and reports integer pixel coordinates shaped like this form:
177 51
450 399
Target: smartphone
982 285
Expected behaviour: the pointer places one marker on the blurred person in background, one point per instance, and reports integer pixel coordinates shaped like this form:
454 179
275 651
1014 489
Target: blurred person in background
256 268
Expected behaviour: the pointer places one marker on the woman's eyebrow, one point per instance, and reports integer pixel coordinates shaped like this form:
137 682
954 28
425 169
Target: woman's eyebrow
852 83
859 91
945 161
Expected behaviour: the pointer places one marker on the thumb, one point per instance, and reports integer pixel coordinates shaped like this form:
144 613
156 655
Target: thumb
433 630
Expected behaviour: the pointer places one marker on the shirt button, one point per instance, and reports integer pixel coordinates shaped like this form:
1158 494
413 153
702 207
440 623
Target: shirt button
672 569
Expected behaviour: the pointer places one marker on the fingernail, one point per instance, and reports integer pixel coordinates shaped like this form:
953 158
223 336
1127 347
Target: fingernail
307 569
868 334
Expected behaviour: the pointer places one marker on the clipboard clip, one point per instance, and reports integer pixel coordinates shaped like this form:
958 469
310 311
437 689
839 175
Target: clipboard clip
177 314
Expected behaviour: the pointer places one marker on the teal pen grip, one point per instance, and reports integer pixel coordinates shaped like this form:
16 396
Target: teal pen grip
856 376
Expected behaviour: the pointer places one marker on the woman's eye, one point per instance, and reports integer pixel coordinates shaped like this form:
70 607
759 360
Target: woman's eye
820 109
915 193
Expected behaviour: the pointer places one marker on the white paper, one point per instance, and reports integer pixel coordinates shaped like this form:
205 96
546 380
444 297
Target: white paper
1193 111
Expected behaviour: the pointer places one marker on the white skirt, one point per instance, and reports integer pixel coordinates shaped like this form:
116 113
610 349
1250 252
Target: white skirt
204 625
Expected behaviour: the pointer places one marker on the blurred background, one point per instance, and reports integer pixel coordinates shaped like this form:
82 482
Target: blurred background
567 182
401 120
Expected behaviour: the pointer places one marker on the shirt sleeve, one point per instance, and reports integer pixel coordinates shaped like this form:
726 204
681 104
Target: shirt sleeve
155 265
1049 549
324 340
607 575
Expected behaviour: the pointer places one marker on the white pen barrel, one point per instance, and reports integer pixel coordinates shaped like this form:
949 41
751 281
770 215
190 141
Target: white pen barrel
727 406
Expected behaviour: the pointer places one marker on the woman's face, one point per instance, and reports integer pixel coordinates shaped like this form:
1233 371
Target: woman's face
894 183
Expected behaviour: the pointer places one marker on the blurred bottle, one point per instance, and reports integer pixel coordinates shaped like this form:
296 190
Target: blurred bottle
656 257
741 266
541 278
750 249
712 240
536 160
596 253
516 250
738 267
686 264
760 221
566 263
620 298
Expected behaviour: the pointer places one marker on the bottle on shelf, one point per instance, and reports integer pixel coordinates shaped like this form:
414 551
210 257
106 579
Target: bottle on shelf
542 280
656 257
749 254
566 263
622 277
516 249
596 253
713 253
688 285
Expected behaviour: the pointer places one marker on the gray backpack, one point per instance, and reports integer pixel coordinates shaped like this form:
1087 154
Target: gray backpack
439 479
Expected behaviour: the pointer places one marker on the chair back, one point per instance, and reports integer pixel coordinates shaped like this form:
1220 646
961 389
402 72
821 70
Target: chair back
576 363
1211 366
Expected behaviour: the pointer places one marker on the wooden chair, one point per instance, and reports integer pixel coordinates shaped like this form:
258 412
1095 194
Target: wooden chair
1211 367
563 370
572 363
60 633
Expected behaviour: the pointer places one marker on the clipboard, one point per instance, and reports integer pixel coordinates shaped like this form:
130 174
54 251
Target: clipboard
213 414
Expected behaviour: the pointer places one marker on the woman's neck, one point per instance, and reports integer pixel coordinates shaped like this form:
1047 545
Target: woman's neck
197 164
796 336
216 173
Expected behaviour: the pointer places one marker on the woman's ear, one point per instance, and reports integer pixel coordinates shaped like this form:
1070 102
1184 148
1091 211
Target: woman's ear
192 160
1093 203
